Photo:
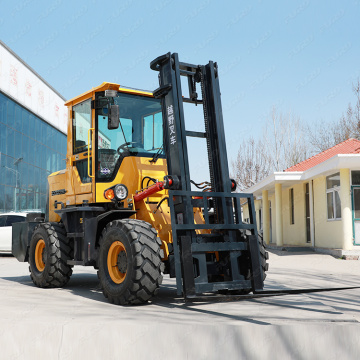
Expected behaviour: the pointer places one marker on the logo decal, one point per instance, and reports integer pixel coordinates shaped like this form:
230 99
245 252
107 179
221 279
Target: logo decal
105 171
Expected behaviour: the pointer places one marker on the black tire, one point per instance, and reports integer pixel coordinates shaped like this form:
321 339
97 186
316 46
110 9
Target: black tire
49 242
245 265
264 255
135 275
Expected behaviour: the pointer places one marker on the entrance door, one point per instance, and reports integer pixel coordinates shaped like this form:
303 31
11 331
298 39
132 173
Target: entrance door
356 213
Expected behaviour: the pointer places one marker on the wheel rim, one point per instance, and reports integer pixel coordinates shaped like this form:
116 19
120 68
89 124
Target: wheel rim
39 255
116 262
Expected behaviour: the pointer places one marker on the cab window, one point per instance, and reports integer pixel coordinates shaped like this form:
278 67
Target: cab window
81 125
153 132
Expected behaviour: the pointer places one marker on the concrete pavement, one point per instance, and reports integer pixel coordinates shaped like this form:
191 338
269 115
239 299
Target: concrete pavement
77 322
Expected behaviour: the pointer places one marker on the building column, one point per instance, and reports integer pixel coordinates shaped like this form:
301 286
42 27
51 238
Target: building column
266 216
311 206
278 211
346 215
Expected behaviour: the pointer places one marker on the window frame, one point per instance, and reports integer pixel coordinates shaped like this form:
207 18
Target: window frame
83 148
333 190
292 206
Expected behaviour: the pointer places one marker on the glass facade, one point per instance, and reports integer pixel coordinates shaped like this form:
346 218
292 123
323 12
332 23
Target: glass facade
30 150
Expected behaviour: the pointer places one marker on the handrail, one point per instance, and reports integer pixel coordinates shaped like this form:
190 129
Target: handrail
88 154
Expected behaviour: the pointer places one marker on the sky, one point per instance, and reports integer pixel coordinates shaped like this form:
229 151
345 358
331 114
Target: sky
298 56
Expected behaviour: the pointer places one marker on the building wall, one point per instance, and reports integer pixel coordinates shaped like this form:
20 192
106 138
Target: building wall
30 149
24 85
294 234
328 233
33 124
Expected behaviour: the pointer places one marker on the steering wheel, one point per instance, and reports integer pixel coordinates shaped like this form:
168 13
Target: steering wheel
124 146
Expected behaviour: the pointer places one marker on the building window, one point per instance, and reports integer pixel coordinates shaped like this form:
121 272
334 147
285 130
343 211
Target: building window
30 150
333 197
291 206
355 177
260 220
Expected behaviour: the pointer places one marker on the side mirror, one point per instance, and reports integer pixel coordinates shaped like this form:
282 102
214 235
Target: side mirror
113 117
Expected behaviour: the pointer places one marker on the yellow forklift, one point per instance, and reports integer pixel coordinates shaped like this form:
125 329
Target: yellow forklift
126 205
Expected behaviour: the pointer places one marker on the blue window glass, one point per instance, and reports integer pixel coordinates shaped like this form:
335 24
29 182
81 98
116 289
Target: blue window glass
44 155
48 138
43 132
37 157
9 198
25 148
43 202
24 186
2 196
32 126
36 178
31 152
10 142
18 118
60 162
43 177
37 129
2 108
17 144
25 121
10 112
48 160
52 134
23 201
3 131
9 171
23 175
30 198
31 176
2 169
56 142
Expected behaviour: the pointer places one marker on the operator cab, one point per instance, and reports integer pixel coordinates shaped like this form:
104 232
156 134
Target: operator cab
117 123
139 131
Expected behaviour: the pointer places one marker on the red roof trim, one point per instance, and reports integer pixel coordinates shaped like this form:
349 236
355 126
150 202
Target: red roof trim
349 146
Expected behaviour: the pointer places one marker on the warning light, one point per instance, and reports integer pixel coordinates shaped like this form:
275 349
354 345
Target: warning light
109 194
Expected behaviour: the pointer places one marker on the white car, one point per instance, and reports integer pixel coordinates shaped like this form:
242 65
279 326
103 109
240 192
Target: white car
6 221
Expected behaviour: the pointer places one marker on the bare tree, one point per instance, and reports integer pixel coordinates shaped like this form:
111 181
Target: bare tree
285 140
325 135
252 164
282 145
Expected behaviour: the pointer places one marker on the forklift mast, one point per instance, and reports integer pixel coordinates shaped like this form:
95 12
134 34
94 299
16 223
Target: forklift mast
238 264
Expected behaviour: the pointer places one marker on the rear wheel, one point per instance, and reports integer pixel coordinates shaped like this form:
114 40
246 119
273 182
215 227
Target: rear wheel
48 255
129 262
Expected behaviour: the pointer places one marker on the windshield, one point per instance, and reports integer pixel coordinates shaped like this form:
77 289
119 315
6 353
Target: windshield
139 134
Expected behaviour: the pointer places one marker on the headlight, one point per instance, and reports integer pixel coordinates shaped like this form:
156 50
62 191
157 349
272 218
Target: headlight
121 191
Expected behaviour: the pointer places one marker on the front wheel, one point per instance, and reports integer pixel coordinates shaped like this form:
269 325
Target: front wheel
130 262
48 255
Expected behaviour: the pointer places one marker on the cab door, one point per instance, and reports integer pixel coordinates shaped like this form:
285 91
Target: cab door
82 163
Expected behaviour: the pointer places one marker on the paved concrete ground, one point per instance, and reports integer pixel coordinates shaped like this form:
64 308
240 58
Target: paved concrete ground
77 322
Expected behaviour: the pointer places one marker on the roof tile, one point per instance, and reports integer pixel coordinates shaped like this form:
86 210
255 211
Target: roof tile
349 146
